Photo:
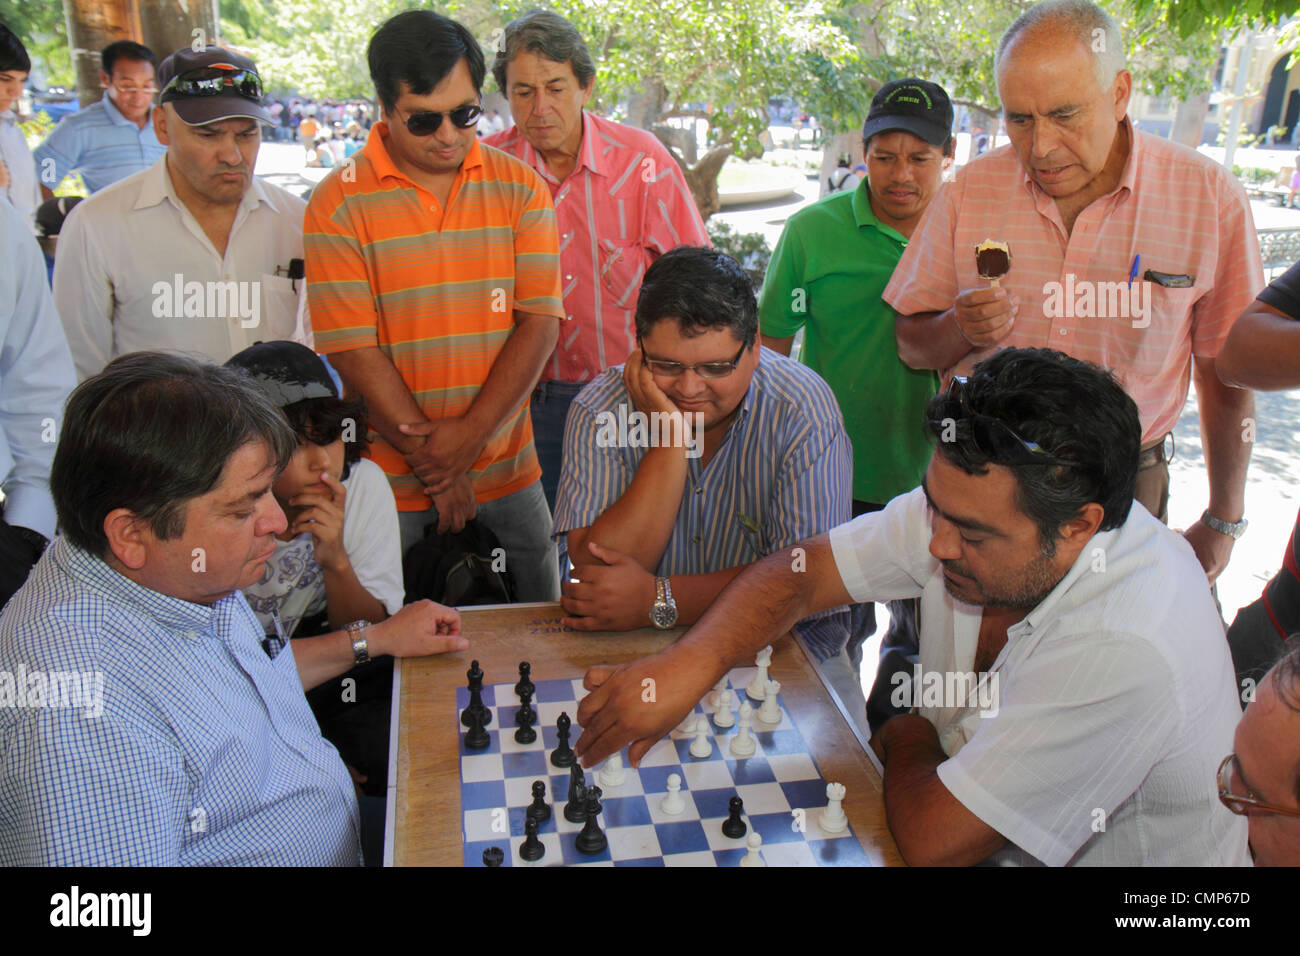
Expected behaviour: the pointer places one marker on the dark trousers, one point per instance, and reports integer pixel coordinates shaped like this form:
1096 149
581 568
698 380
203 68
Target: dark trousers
17 558
550 409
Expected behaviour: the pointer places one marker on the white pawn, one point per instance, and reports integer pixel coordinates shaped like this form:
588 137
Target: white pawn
770 712
723 716
715 695
613 774
687 726
742 744
757 688
753 857
833 818
701 746
672 803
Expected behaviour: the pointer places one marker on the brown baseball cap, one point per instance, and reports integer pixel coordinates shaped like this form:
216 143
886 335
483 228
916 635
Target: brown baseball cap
211 84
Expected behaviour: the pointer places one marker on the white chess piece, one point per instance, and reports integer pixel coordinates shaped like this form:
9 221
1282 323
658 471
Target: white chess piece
612 774
672 803
753 857
687 726
724 717
770 712
833 818
757 688
715 695
742 744
702 746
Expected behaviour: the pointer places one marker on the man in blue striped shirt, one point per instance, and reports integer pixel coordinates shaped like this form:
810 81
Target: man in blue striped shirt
701 455
113 138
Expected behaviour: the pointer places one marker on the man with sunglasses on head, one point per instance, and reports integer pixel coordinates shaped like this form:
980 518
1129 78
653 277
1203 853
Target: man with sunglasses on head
111 139
193 254
701 455
433 271
1085 693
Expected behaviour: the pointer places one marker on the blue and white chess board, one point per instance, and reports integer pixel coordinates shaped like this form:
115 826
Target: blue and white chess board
783 790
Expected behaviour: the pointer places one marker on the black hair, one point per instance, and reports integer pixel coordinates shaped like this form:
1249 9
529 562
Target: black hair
149 433
125 50
1074 411
420 48
322 421
13 55
547 34
702 289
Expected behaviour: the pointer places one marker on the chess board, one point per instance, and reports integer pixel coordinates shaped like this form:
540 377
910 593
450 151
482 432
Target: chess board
783 790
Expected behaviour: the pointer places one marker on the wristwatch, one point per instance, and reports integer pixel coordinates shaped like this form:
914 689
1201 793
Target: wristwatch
1233 531
663 613
357 633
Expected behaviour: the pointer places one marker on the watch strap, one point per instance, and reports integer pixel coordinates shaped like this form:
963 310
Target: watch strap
360 646
1233 530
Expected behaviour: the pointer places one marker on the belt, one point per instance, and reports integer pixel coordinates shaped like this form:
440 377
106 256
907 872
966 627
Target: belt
1154 454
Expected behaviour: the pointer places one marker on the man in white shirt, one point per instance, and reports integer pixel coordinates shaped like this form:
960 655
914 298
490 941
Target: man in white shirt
1075 693
193 254
18 181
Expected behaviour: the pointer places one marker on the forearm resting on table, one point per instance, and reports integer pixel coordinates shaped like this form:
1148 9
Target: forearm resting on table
930 340
640 523
694 593
370 373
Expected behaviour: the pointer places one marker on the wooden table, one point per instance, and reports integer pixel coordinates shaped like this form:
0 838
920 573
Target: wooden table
424 814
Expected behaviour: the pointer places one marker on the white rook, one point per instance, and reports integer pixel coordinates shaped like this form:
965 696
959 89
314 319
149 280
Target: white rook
833 818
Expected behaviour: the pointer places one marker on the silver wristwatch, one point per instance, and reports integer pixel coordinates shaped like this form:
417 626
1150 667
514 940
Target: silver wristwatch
357 634
663 613
1233 531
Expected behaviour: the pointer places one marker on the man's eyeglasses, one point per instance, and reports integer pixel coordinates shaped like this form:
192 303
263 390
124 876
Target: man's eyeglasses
1243 805
994 437
215 80
703 370
428 123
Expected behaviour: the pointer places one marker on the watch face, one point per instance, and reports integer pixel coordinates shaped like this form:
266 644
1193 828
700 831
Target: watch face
663 615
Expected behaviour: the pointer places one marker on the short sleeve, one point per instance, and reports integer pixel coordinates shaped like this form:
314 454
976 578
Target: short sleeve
1238 277
339 297
537 253
925 279
370 534
885 555
777 315
592 477
1283 293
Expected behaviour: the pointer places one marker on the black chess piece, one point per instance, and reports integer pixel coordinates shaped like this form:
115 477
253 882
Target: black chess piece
475 675
592 839
477 737
733 826
525 718
539 810
575 811
493 856
531 849
562 755
525 680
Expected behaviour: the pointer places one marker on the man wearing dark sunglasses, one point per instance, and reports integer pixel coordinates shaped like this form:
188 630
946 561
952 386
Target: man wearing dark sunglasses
1095 699
433 271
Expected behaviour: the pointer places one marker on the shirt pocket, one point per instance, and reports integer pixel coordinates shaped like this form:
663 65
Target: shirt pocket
622 266
279 310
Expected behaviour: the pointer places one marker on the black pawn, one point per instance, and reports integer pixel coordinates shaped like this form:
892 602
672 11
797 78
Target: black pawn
477 737
525 718
538 811
531 849
493 856
592 839
733 826
563 756
525 684
475 676
575 811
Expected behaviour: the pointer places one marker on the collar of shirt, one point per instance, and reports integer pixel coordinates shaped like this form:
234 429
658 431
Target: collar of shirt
1127 178
588 156
376 150
114 113
157 186
8 118
1049 608
865 216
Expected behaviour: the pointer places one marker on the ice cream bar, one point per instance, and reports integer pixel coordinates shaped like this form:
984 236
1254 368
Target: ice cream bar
993 260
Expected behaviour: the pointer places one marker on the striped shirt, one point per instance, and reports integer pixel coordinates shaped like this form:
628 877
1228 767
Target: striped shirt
435 289
1180 212
99 142
180 742
624 205
782 473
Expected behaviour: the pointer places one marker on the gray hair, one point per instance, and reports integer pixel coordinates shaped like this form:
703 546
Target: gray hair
1086 22
547 34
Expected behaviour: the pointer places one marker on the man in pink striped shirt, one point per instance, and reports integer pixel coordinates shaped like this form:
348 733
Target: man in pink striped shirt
620 203
1125 250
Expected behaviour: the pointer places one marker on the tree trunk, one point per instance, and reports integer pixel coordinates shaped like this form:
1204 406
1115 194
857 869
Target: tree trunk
682 140
169 25
838 144
702 178
1189 120
645 104
93 25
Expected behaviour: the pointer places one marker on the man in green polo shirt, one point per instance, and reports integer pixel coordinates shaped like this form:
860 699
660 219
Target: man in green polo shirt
826 276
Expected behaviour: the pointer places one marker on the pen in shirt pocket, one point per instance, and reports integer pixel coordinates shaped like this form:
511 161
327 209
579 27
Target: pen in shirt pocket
1132 272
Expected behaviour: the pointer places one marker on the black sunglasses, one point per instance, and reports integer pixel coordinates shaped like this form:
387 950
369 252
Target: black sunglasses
428 123
994 437
215 80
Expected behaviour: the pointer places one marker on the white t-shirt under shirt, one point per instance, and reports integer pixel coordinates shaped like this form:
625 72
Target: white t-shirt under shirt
1115 696
294 585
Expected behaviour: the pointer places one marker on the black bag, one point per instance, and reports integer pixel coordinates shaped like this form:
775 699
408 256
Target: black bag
456 568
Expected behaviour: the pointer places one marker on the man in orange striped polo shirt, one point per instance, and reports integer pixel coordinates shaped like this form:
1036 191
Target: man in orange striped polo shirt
433 279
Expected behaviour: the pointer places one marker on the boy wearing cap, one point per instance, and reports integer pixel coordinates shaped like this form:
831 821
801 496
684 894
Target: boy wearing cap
211 258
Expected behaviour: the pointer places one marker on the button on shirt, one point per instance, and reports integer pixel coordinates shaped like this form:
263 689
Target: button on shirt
1180 211
181 743
1114 699
36 378
100 143
168 287
781 473
625 204
23 190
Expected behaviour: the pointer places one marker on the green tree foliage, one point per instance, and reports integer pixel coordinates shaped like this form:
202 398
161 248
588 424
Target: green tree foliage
41 27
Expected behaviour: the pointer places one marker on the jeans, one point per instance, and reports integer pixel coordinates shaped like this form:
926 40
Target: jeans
550 408
522 523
